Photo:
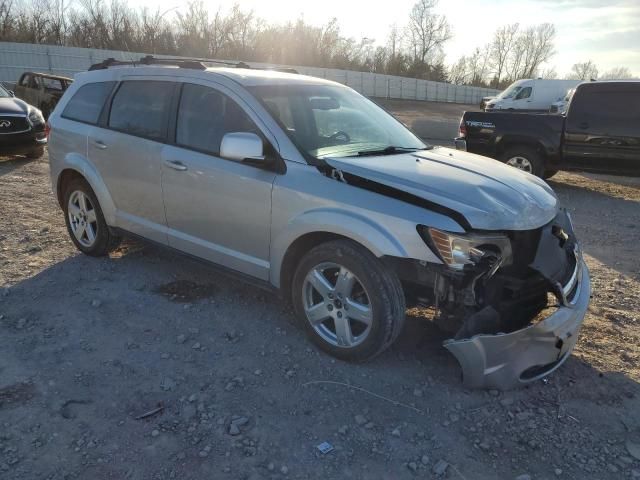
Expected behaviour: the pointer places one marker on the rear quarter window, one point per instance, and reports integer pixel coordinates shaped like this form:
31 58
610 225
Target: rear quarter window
87 103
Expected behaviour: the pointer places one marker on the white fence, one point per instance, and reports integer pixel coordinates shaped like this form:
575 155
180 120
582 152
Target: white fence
16 58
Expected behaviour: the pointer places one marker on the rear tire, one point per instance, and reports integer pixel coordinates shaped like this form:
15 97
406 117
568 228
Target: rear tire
356 309
524 158
85 221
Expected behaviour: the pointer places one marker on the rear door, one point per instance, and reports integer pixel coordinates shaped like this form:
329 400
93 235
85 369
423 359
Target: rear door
126 148
602 130
216 209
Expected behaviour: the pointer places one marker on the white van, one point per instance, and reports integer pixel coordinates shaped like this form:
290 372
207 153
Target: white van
531 95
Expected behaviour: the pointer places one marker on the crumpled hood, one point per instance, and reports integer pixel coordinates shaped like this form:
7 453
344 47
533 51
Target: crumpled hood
488 193
11 105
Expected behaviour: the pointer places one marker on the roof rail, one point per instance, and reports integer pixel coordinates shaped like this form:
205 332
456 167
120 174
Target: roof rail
192 63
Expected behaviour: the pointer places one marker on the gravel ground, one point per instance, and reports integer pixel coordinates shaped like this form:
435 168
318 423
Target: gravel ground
148 365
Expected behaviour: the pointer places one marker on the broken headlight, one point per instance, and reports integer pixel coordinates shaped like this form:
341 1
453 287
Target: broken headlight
456 251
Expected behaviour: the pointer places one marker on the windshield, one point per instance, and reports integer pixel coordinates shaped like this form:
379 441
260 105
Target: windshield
4 92
510 92
332 121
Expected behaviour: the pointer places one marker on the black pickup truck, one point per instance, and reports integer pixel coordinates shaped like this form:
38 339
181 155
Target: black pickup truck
600 133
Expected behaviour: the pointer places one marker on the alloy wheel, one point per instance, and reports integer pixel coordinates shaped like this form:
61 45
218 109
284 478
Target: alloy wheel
82 218
337 305
521 163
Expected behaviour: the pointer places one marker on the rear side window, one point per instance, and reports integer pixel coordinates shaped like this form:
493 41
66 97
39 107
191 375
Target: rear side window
141 108
86 105
205 116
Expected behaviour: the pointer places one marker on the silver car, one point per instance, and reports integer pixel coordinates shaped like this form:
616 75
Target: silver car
312 189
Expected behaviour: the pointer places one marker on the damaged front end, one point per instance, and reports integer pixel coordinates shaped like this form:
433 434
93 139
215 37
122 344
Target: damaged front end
516 308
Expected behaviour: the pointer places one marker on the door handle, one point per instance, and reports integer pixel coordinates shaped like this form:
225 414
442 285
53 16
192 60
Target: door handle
583 125
176 165
99 144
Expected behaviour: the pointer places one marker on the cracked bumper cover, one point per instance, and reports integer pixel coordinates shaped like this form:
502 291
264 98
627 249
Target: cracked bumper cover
506 361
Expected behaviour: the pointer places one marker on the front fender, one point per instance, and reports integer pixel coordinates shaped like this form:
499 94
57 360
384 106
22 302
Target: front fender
78 163
361 229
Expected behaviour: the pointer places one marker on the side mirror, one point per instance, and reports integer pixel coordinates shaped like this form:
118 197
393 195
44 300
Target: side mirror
243 146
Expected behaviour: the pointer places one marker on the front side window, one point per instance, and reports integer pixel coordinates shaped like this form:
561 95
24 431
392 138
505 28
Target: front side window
524 93
332 121
141 108
510 92
205 115
86 104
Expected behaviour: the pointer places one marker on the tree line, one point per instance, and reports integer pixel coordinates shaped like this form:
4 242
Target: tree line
416 49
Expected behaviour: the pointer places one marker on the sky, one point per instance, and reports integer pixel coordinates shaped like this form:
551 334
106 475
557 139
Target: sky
605 31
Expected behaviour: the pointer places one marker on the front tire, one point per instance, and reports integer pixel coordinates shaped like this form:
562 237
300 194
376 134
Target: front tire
524 158
348 302
85 221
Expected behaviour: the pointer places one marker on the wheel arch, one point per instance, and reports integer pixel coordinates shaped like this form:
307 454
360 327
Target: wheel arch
313 228
77 167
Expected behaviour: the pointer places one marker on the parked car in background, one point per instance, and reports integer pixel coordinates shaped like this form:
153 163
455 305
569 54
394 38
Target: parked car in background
305 186
484 101
41 90
22 127
530 95
600 133
560 106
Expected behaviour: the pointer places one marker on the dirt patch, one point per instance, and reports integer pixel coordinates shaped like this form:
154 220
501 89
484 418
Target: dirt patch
185 291
16 394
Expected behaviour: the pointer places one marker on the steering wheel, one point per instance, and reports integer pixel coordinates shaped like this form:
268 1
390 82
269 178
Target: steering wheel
341 136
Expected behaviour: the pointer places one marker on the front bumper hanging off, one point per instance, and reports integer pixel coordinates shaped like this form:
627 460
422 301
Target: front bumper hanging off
507 360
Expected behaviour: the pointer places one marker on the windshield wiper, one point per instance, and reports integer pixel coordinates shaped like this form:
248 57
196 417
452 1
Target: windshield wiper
390 150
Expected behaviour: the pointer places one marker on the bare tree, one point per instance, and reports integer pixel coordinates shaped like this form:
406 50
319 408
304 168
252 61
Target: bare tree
7 17
617 73
504 41
428 31
583 71
459 72
548 73
538 41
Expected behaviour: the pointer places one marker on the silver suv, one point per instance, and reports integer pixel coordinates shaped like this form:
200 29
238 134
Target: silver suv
311 188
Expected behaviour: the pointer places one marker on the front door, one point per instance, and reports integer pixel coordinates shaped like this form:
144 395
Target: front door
216 209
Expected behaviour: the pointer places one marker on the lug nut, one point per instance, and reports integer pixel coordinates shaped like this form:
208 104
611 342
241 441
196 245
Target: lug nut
329 307
339 314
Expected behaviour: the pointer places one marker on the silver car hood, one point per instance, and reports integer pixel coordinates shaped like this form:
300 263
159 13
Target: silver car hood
489 194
